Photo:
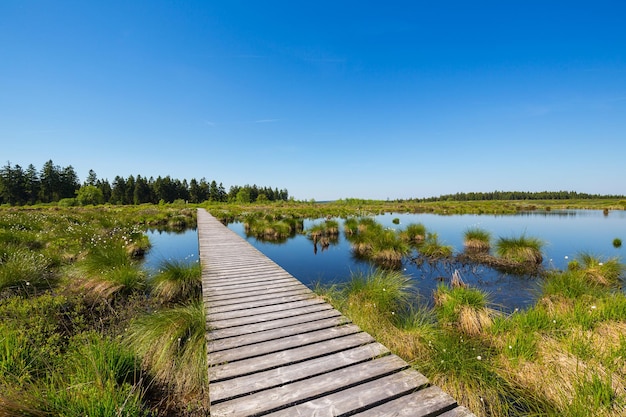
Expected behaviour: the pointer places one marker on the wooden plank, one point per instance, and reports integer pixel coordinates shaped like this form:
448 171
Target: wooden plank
310 388
250 338
263 302
251 289
210 298
240 321
237 387
459 411
431 401
360 397
216 304
247 311
273 360
216 334
277 345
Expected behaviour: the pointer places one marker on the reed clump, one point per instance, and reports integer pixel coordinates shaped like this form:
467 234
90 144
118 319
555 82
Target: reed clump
433 248
372 241
171 345
522 249
177 281
477 240
606 272
414 233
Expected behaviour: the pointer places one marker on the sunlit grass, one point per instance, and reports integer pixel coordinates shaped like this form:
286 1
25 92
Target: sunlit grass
606 272
177 281
171 343
477 239
520 249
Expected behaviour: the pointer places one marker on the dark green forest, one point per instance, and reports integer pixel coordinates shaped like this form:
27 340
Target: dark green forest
56 184
519 195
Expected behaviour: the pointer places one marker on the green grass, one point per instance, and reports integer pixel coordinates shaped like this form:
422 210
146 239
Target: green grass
60 350
415 233
177 281
433 248
171 344
606 272
520 249
23 270
477 239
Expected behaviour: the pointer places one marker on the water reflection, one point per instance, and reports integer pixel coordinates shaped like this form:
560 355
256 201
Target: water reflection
170 245
565 234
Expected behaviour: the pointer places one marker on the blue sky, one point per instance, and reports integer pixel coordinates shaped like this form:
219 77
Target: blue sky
329 99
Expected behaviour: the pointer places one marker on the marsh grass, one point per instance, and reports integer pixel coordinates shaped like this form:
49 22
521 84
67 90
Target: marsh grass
433 248
350 226
59 347
23 270
108 269
467 309
269 229
598 271
414 233
477 239
171 344
522 249
384 247
177 281
99 378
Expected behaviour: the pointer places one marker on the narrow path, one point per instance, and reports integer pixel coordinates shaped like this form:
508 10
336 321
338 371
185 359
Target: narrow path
276 349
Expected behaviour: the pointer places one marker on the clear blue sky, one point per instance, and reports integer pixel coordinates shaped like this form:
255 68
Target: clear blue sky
329 99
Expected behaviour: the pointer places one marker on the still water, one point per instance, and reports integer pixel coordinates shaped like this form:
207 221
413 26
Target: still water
564 233
168 246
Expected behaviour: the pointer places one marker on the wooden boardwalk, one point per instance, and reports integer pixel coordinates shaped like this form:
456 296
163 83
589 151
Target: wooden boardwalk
276 349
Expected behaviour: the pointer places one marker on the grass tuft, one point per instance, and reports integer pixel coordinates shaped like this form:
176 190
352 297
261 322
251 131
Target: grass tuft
177 281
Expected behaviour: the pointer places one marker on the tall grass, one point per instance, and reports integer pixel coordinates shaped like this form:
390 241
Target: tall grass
177 281
602 272
23 270
465 308
99 378
477 239
414 233
520 249
433 248
171 344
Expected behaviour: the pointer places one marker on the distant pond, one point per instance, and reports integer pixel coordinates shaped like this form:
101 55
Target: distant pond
565 234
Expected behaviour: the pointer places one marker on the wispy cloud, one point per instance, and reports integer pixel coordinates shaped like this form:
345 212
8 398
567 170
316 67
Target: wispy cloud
209 123
266 120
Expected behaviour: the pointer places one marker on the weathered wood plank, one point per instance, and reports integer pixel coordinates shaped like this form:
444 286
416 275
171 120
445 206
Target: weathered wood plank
247 311
216 305
279 376
273 360
459 411
277 345
263 302
308 389
240 321
210 298
430 401
216 334
360 397
250 338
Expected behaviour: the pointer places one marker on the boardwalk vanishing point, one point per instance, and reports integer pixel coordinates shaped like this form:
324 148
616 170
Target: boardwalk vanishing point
277 349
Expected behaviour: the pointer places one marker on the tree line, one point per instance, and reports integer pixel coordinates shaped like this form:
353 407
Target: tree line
53 184
518 195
